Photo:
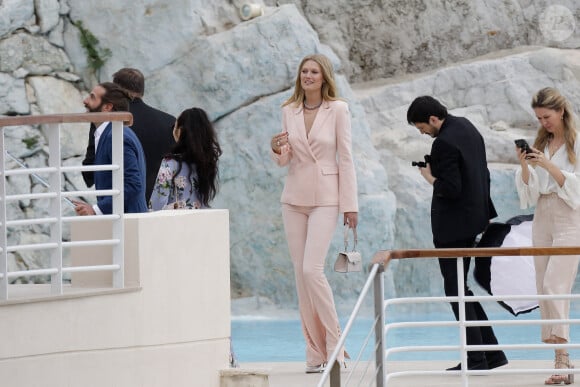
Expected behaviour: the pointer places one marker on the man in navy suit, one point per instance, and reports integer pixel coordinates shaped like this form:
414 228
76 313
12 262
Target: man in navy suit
461 208
109 97
153 127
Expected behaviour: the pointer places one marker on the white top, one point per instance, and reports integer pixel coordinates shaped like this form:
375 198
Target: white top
98 133
542 183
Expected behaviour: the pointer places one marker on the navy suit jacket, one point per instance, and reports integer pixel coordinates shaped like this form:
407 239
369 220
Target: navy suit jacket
461 206
154 129
133 173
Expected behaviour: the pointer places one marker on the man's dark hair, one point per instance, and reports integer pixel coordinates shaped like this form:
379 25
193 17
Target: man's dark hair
115 95
131 80
424 107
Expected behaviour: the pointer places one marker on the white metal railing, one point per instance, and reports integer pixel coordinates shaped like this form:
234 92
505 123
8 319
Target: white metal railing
54 195
380 375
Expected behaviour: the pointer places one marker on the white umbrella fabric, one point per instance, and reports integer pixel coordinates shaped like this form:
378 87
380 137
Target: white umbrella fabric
508 275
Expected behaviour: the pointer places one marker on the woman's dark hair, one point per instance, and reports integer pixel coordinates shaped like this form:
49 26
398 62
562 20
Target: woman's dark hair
198 147
424 107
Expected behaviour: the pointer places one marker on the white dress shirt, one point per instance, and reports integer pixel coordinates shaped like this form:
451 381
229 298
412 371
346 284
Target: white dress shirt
98 133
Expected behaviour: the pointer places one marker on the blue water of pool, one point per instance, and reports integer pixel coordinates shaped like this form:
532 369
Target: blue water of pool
257 339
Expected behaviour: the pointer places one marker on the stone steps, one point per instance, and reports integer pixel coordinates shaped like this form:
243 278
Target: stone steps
244 377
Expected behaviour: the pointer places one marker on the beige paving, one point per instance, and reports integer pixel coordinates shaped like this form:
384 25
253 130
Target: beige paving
291 374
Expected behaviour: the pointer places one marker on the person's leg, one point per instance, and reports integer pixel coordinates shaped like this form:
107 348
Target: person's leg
473 310
560 271
558 279
296 226
542 237
556 224
321 226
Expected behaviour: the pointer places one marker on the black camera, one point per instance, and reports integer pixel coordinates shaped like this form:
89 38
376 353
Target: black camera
523 145
422 164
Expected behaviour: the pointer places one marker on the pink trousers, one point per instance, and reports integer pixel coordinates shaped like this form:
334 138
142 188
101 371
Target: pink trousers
555 224
309 231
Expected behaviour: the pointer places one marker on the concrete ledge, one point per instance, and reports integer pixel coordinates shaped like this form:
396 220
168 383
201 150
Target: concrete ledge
243 377
169 327
29 293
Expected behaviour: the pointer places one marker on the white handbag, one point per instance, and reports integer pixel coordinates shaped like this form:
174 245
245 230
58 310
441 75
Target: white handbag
348 261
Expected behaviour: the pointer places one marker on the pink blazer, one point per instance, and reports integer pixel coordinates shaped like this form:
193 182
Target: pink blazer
321 170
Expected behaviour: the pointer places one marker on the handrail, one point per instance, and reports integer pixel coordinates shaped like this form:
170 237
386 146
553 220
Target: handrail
55 218
382 255
69 118
377 267
333 368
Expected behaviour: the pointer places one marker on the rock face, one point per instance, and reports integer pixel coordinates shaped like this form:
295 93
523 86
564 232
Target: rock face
250 59
15 14
199 54
378 39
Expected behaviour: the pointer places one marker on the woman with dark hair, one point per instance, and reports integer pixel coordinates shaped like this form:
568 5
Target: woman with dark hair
188 176
549 179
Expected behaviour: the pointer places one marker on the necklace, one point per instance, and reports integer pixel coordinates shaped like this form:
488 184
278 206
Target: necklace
308 107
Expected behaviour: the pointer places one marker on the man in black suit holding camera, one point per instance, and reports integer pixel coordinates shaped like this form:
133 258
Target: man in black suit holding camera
153 127
461 208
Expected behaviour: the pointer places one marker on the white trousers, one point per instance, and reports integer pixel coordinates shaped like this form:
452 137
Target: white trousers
309 231
555 225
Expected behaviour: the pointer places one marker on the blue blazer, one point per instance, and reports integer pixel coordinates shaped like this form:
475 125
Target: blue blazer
133 174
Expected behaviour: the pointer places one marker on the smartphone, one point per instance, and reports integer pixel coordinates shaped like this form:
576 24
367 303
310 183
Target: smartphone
523 145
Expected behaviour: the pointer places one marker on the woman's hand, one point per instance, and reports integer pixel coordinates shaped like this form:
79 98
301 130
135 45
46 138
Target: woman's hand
278 141
522 156
351 218
524 161
538 158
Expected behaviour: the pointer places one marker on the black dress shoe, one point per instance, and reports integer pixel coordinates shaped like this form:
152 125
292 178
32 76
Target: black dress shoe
495 359
479 365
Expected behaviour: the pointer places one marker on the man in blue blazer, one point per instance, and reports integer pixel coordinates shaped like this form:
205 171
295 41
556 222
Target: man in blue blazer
153 127
109 97
461 208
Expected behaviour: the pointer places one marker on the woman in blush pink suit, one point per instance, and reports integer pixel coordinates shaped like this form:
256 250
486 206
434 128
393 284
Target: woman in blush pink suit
315 144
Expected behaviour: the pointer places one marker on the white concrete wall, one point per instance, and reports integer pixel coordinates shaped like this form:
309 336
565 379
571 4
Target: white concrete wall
172 330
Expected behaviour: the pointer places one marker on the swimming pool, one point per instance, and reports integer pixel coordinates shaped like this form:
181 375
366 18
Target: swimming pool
259 339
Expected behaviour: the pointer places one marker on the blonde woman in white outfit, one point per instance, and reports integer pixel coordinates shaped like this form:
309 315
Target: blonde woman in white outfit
549 178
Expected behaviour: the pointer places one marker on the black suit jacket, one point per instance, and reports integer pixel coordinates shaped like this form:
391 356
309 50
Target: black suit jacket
461 206
154 129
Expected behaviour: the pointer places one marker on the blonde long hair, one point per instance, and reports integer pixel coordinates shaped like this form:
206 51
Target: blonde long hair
329 92
550 98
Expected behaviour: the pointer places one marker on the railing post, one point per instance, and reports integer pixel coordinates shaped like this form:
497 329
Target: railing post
335 375
118 203
462 328
379 298
55 208
3 231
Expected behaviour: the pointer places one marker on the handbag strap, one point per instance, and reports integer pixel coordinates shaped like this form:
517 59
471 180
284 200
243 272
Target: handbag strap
346 228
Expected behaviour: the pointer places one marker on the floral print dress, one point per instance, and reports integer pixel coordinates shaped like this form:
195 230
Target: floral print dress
164 192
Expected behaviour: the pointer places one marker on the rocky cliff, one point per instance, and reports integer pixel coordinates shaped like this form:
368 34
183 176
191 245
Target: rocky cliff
484 59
